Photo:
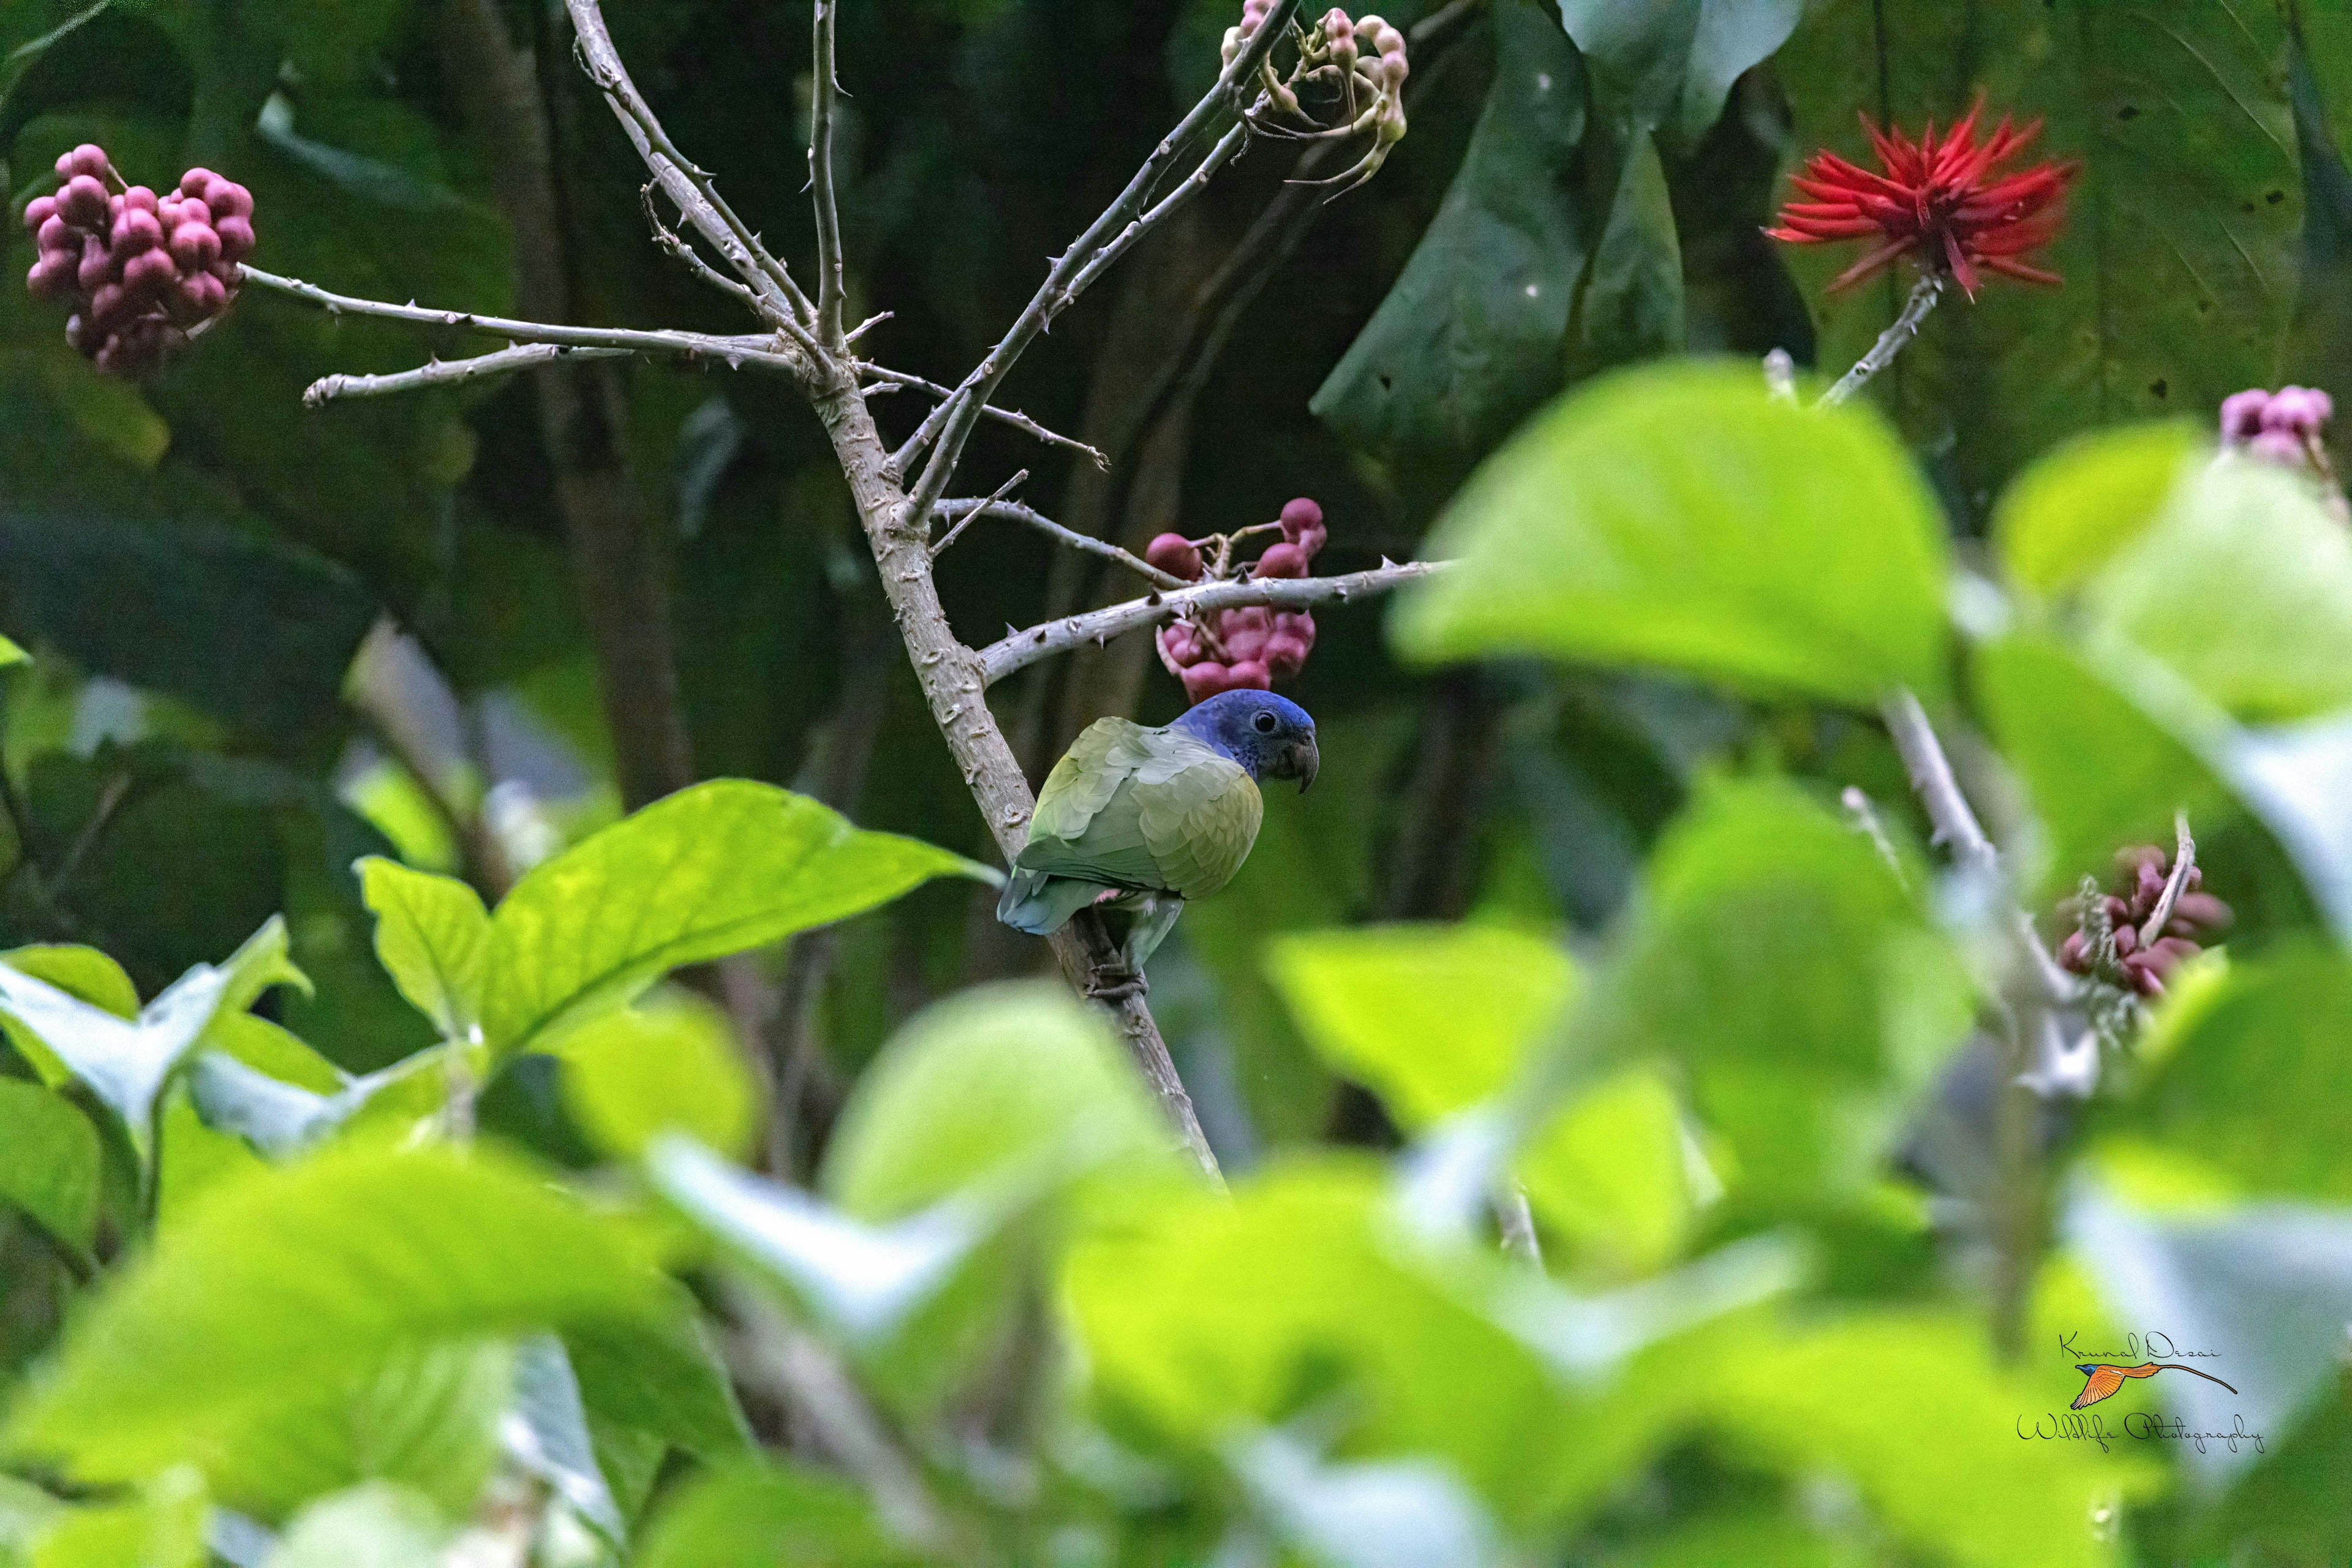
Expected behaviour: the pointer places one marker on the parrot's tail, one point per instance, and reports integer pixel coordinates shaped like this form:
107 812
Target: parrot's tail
1041 904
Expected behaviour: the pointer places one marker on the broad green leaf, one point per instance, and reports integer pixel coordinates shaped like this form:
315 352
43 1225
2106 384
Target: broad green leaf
659 1377
1469 339
432 936
1668 66
549 1435
2180 246
710 870
298 1276
1395 1513
1813 1400
2107 760
125 1064
428 1418
376 1525
1778 957
1609 1174
1678 517
266 1048
10 654
860 1282
757 1515
1432 1019
672 1066
162 1527
2251 1080
2086 501
49 1162
80 972
2259 1292
2242 585
1013 1085
1631 306
25 1512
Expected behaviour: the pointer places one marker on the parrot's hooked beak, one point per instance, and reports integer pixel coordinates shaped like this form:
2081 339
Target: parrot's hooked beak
1299 761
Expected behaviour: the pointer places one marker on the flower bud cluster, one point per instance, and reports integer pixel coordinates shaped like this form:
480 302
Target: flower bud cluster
2116 918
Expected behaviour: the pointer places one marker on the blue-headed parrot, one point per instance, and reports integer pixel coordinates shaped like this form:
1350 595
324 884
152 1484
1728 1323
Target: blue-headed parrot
1132 822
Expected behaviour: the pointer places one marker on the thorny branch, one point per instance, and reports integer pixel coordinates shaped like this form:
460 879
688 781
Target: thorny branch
1893 339
895 380
1013 512
824 88
1061 282
1001 658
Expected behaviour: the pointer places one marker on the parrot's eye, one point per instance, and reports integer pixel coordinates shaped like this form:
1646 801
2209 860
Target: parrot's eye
1264 723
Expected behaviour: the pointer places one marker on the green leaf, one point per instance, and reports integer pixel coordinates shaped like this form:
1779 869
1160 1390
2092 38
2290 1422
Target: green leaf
277 1282
1397 1513
428 1419
1812 1399
2180 243
11 655
2298 779
757 1515
1468 340
255 632
1678 517
2106 760
1632 303
376 1525
49 1162
992 1088
1609 1174
1432 1019
710 870
550 1438
2262 1291
433 938
1669 66
659 1377
80 971
1781 959
162 1527
671 1067
126 1064
2248 1082
2243 586
2083 502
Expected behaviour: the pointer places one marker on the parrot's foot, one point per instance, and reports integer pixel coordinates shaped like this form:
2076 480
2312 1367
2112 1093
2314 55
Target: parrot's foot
1116 984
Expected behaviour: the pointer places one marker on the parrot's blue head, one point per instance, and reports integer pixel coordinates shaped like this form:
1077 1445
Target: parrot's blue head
1270 736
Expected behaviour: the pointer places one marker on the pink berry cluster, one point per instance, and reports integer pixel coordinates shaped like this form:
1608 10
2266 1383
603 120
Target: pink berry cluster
2197 918
2281 426
1255 644
142 271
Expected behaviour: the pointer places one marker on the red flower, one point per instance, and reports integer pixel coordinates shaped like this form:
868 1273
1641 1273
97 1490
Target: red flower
1938 202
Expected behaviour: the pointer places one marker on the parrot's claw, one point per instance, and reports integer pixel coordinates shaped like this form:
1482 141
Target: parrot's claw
1116 984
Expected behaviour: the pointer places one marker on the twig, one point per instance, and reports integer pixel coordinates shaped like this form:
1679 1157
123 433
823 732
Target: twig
1012 416
731 350
866 326
1007 488
1229 147
825 90
1892 341
1001 658
450 372
1015 512
1866 818
687 187
668 240
1056 293
2184 862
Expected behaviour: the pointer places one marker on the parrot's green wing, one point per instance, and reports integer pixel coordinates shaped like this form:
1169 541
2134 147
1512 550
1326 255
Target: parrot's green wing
1144 808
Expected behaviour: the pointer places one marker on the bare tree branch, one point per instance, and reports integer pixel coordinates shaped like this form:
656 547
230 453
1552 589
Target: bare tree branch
1015 512
824 88
690 259
732 352
939 545
1001 658
1892 341
450 372
1228 148
2184 862
897 380
688 187
1056 294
